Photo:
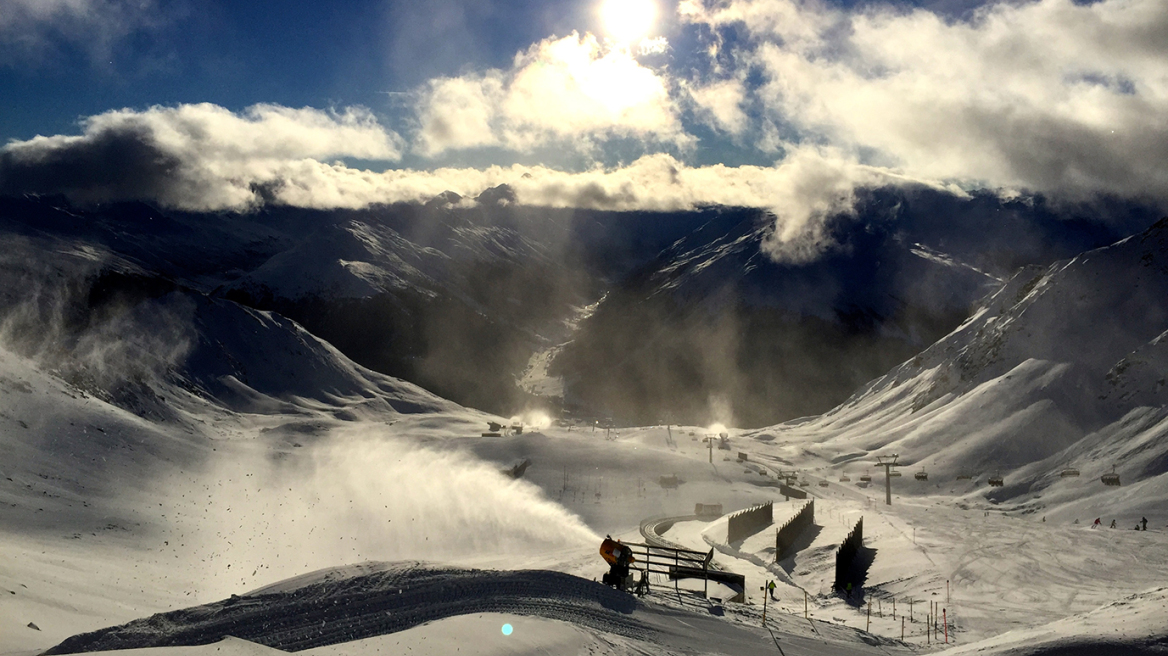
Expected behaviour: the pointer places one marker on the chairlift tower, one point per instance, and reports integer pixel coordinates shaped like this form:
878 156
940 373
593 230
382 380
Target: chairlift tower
888 462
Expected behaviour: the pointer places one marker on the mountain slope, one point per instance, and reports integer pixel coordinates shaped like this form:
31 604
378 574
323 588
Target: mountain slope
1062 368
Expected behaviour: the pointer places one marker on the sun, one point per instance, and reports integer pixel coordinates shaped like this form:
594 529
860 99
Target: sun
627 21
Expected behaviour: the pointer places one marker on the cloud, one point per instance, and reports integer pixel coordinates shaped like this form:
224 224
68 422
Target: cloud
197 157
206 158
1053 96
34 29
568 90
720 104
809 185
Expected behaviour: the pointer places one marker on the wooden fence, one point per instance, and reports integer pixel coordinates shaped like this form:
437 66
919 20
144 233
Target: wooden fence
746 523
786 536
845 556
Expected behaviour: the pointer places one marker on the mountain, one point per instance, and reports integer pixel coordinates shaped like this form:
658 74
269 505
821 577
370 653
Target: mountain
1062 368
713 329
638 315
131 336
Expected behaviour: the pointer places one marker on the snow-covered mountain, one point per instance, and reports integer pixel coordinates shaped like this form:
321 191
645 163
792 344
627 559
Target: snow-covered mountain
730 334
1063 368
163 447
132 337
688 315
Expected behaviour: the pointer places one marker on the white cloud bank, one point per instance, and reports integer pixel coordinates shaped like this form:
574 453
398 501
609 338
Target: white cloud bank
560 91
1051 96
204 157
196 157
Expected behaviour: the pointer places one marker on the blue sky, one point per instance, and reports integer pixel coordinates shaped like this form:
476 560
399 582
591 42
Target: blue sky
788 105
240 53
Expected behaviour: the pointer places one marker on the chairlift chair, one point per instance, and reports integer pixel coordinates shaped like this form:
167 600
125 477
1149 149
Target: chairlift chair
922 475
822 483
996 481
844 478
1069 471
1111 478
865 479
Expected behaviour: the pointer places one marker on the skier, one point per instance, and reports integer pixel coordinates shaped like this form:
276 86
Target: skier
771 589
1143 523
1113 523
1097 523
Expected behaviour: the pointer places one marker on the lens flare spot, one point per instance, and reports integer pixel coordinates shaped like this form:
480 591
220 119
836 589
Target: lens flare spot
507 629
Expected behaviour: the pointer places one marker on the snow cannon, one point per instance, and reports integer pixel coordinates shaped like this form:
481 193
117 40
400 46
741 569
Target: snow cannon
619 557
612 550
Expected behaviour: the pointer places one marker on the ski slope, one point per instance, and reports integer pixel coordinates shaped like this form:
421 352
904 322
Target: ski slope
260 462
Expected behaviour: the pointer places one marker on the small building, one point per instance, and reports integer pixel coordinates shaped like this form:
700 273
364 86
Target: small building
708 509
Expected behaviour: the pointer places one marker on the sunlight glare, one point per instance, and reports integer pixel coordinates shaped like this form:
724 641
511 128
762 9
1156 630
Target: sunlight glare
627 21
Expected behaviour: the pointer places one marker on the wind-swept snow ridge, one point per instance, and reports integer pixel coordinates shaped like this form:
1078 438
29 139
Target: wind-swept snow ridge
1048 374
340 605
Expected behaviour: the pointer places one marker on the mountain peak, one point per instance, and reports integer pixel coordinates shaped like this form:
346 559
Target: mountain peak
500 195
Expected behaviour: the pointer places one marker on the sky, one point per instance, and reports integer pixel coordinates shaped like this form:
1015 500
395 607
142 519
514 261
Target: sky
786 105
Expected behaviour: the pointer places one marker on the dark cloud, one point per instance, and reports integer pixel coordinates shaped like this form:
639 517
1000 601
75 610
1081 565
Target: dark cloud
112 165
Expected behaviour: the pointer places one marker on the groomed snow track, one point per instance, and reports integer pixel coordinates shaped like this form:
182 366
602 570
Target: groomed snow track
338 607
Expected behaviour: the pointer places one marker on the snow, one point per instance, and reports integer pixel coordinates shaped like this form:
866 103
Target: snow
266 465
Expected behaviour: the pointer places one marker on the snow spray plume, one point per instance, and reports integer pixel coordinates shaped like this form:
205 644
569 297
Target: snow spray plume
353 499
53 312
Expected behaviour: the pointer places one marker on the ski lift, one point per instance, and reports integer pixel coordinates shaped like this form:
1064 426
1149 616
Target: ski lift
922 475
822 483
865 479
844 478
996 481
894 473
965 477
1069 471
1111 478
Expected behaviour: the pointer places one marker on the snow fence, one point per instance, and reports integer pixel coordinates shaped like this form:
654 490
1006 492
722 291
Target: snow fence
746 523
786 536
